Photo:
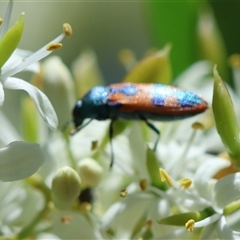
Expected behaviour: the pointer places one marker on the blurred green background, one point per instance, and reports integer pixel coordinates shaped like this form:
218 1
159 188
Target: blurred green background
109 26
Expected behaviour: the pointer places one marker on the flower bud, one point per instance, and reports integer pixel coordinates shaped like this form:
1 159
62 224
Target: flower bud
155 69
210 41
65 187
86 72
225 118
58 86
90 172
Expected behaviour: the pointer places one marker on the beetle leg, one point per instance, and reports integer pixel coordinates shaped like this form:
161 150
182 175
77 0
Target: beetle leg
111 144
155 130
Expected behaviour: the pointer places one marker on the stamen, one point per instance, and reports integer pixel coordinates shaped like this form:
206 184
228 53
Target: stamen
127 58
1 21
67 29
197 126
234 61
123 193
149 223
185 183
94 145
190 224
143 184
53 46
85 207
165 177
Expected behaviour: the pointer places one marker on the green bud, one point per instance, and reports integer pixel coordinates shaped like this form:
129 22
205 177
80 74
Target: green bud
153 69
66 185
30 120
57 79
211 44
90 172
153 170
10 40
225 117
181 219
86 72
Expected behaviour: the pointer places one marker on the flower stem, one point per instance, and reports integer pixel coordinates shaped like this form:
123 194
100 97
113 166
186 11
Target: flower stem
36 183
69 152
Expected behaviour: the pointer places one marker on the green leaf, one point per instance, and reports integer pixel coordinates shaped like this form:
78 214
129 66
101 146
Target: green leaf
225 117
174 22
10 40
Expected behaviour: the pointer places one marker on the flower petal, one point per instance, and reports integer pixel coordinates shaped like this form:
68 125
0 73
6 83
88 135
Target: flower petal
7 18
205 173
207 221
17 58
224 232
227 190
2 95
41 101
8 133
20 160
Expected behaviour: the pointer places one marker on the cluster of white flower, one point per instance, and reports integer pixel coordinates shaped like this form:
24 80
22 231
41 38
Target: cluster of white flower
170 194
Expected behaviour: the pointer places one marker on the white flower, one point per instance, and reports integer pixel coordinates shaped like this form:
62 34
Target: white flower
219 194
20 159
25 60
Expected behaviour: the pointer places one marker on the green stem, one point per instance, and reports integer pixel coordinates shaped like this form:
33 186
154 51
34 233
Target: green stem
37 183
69 152
26 232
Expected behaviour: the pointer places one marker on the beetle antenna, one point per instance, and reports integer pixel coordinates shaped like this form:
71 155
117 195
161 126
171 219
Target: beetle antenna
81 127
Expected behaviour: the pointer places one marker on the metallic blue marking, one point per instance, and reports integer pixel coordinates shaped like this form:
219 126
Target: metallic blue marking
126 90
98 95
159 93
187 99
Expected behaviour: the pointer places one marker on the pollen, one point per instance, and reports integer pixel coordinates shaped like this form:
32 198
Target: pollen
185 183
1 21
190 224
53 46
165 177
67 29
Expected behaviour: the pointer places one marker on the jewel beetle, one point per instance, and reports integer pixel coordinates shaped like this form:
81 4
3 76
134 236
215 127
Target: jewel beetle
133 101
